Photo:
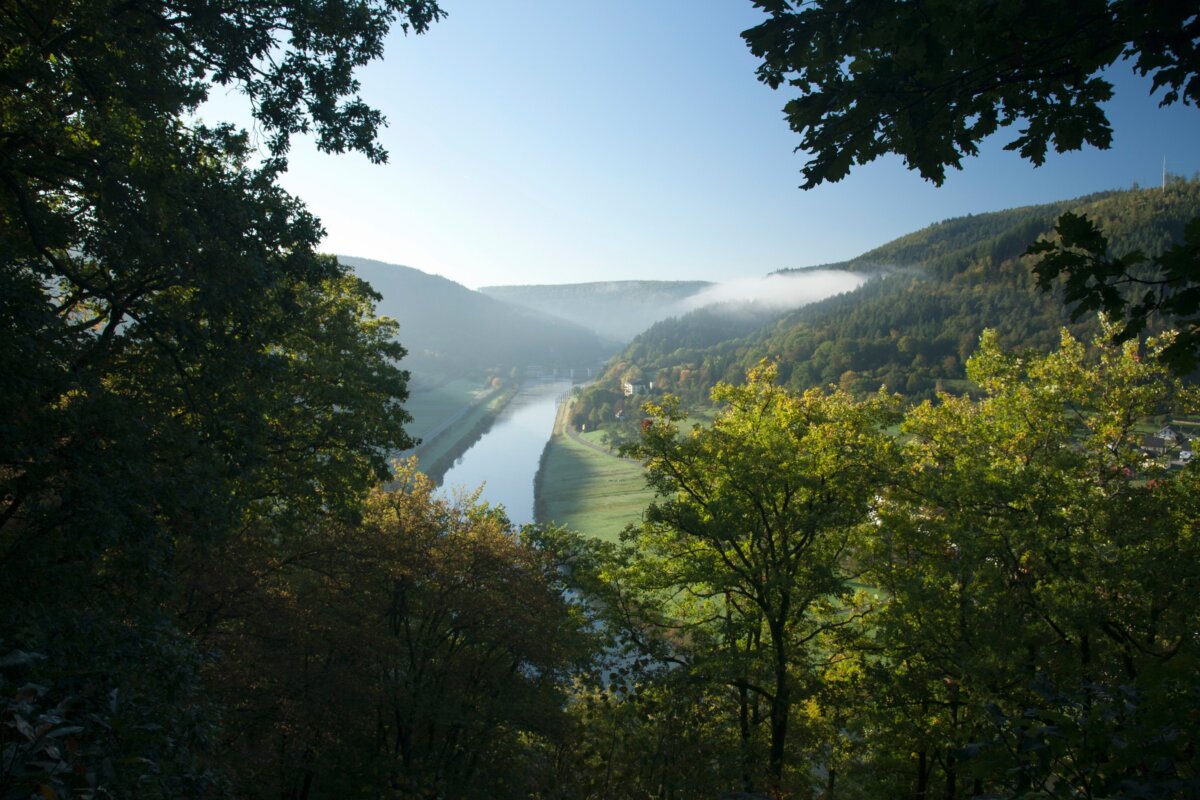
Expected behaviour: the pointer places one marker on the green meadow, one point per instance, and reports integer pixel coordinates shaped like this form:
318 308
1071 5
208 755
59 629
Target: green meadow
591 492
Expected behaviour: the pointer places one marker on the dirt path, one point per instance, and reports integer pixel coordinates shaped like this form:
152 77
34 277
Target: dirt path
562 426
560 418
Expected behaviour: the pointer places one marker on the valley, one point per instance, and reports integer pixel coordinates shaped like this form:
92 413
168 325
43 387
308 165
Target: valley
910 328
829 501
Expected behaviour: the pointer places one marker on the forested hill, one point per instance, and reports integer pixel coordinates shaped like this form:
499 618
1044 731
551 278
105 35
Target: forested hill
450 329
616 309
953 239
914 325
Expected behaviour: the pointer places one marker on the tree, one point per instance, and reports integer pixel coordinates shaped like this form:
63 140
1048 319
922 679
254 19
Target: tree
930 80
1133 287
179 363
421 651
749 541
1040 582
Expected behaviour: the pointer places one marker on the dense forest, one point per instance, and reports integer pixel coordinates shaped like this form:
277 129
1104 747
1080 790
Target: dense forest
914 325
214 585
991 605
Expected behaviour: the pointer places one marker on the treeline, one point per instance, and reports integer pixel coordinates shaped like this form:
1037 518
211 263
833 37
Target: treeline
913 326
1001 603
708 327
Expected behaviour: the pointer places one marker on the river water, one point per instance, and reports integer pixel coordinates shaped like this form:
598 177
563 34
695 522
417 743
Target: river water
505 459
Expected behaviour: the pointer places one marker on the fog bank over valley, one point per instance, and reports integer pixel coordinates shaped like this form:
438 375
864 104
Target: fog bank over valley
776 292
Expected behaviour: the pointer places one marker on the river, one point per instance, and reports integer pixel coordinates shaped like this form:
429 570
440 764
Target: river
505 459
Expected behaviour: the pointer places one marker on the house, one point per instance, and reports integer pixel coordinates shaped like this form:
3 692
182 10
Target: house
632 388
1154 445
1168 432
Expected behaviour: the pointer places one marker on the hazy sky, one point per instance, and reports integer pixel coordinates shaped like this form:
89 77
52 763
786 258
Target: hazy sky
543 141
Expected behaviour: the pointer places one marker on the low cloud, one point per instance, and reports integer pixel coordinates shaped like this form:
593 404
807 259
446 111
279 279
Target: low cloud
777 292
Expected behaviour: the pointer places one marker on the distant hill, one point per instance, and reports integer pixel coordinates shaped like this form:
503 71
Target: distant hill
616 309
914 324
449 329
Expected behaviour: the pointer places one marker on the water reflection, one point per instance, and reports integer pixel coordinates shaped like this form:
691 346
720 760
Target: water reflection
505 460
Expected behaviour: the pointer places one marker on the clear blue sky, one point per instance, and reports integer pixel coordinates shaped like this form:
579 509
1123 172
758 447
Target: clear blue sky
534 141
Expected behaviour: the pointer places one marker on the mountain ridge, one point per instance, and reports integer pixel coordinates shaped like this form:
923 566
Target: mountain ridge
448 328
616 309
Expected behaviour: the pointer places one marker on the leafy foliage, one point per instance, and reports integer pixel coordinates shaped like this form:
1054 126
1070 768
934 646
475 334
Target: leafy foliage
929 81
1093 282
423 650
748 539
179 362
1036 619
1022 616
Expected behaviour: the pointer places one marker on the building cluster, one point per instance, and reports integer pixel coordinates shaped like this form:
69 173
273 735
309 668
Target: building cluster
1168 442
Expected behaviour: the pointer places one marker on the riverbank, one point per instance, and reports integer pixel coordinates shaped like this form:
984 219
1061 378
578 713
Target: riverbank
435 402
502 464
454 436
585 487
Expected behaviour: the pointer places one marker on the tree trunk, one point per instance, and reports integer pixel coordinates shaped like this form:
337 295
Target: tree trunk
951 792
922 776
780 705
744 732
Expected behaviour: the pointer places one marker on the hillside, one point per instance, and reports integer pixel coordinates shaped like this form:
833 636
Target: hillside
615 309
449 329
913 325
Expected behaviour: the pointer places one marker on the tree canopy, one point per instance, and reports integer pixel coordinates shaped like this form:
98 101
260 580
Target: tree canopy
755 516
930 80
999 601
180 366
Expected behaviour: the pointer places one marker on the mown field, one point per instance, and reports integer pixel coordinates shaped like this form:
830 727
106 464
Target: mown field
588 491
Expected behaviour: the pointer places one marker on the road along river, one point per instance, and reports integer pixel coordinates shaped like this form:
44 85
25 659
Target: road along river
505 459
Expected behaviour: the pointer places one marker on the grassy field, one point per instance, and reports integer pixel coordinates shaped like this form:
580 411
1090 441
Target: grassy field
429 405
595 437
594 493
599 494
590 492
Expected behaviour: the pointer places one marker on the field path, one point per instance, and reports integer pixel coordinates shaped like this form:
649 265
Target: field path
561 426
573 433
